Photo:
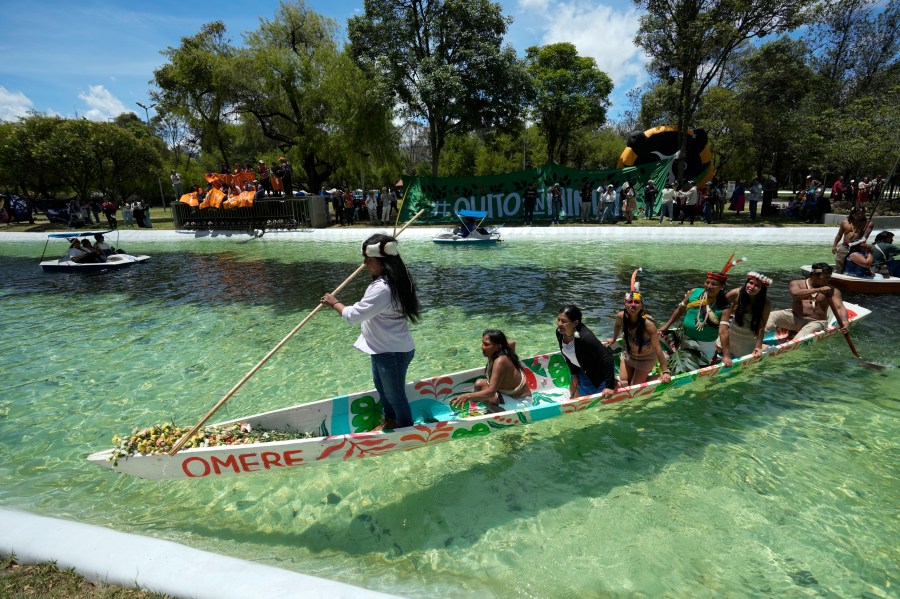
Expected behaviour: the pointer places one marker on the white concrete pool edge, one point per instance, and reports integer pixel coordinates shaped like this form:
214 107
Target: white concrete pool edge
675 232
103 555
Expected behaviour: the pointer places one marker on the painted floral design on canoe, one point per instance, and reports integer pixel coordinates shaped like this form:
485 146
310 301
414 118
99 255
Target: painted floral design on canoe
358 446
433 388
430 433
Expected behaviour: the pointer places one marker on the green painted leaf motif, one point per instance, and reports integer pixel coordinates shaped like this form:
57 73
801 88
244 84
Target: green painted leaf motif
493 424
366 413
535 367
479 430
559 371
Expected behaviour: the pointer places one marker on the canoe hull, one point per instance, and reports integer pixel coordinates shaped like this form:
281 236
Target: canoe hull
344 421
857 285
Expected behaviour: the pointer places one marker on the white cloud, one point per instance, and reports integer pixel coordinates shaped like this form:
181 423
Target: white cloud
102 104
603 33
13 104
538 5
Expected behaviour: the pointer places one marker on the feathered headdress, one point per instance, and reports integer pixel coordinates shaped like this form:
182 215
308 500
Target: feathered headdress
635 292
759 277
722 276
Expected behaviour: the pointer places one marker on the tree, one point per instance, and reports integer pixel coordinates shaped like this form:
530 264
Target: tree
191 86
570 93
443 60
309 97
690 41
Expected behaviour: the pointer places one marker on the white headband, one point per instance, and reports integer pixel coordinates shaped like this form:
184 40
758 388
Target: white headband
381 250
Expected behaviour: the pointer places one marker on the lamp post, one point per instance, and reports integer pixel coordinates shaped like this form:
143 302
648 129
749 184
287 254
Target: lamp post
158 178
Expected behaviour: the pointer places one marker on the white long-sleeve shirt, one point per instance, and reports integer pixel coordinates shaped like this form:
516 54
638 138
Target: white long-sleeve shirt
384 327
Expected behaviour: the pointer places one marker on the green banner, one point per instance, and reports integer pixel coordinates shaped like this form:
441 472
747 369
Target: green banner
501 195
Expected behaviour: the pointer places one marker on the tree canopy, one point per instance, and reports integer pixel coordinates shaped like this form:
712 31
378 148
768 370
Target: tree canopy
444 61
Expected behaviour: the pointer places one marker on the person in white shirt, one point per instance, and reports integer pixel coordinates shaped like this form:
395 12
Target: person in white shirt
384 313
668 203
608 201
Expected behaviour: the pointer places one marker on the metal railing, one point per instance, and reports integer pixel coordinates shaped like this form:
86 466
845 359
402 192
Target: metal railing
292 213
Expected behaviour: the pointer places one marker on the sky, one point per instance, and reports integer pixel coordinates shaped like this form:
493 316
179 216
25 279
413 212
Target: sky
95 58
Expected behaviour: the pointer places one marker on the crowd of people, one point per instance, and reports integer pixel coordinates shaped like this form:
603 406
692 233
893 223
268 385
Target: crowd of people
134 214
376 207
715 323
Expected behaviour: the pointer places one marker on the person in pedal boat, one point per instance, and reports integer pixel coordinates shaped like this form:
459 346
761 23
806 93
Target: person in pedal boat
810 300
743 321
702 310
80 255
504 386
384 313
590 362
642 347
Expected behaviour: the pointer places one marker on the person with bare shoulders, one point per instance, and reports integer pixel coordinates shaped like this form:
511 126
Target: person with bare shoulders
504 386
744 321
853 228
642 347
810 300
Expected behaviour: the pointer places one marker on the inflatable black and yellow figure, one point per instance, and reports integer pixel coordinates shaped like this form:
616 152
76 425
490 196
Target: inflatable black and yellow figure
660 143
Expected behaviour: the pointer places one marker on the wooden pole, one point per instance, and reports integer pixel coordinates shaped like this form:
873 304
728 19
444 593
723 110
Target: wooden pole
281 343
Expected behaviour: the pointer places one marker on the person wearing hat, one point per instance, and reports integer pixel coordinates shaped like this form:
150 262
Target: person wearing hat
264 181
885 253
744 321
286 172
702 309
810 300
384 313
555 204
608 201
851 229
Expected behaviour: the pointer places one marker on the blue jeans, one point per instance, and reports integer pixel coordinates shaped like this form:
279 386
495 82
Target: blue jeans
585 386
608 211
389 375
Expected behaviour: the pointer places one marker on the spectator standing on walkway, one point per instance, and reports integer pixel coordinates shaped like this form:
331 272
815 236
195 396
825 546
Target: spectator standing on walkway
738 197
668 203
555 204
608 200
649 198
691 201
753 196
529 200
586 193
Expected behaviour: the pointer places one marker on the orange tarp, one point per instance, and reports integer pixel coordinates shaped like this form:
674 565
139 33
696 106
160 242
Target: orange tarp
190 199
213 199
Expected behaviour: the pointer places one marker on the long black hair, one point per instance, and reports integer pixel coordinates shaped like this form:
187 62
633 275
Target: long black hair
758 306
400 282
499 337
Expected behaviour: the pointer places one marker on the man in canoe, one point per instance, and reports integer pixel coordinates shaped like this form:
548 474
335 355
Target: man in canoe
810 300
853 228
504 386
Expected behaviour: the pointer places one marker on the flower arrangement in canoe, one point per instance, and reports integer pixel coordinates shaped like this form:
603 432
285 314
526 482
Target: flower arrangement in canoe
161 438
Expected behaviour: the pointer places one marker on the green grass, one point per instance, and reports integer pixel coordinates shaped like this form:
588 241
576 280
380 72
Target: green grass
38 581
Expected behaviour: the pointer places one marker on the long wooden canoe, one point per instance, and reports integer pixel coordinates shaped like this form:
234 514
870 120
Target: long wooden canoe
859 285
341 426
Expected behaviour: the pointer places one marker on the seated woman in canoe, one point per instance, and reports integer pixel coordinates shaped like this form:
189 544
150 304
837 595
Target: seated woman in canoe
702 310
504 386
859 260
642 347
744 320
387 306
590 362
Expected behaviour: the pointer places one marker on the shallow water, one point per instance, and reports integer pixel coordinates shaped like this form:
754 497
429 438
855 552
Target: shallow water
778 482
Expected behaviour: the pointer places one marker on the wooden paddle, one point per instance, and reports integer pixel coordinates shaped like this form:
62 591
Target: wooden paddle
863 363
281 343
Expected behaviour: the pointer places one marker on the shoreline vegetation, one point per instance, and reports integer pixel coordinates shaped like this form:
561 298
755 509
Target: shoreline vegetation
20 581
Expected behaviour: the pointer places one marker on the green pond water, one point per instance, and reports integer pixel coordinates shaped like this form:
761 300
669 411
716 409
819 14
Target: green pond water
781 481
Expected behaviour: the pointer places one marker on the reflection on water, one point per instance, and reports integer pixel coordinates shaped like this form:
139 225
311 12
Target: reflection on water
774 482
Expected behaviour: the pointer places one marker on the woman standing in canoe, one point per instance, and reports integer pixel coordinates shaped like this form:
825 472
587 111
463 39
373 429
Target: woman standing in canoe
702 310
642 348
744 320
590 362
384 313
